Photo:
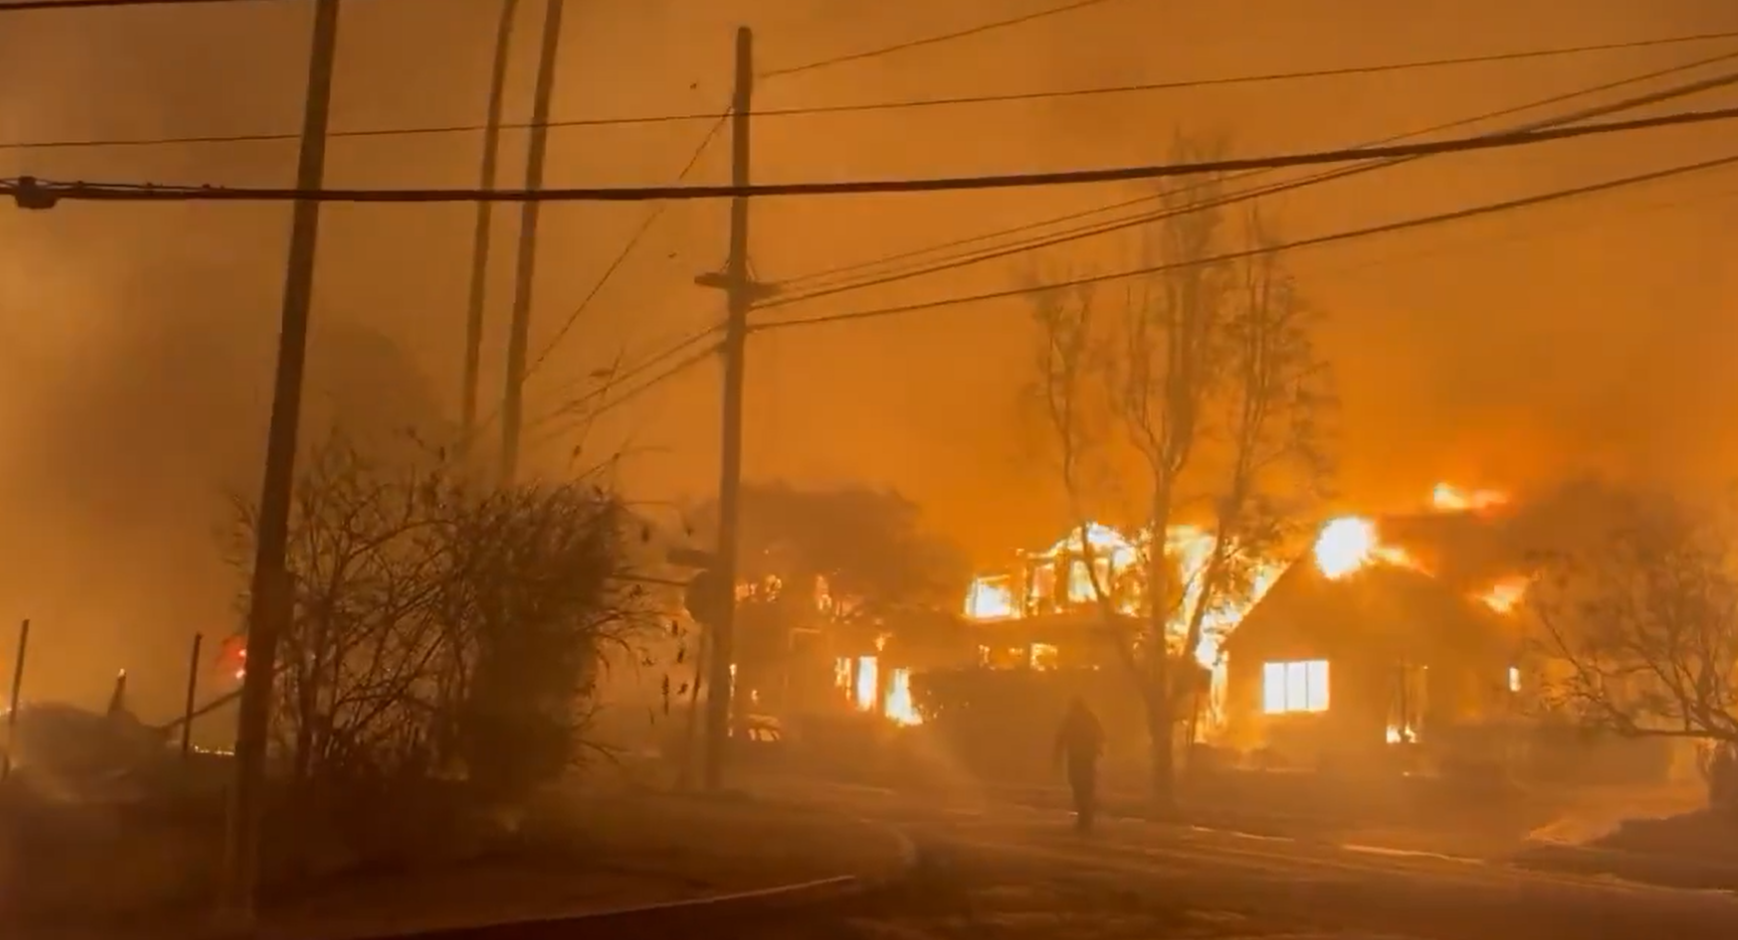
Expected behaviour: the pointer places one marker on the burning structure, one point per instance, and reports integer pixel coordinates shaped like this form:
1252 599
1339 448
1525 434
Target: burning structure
1384 611
1360 645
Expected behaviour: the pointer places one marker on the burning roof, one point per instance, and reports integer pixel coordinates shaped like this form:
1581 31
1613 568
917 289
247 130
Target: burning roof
1460 548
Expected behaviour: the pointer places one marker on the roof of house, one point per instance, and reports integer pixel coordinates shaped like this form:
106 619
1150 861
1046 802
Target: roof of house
1464 551
1378 606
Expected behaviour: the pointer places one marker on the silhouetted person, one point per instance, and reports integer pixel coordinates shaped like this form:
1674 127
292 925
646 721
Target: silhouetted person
1079 744
1723 779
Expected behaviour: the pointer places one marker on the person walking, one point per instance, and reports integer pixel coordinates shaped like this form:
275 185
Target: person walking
1079 744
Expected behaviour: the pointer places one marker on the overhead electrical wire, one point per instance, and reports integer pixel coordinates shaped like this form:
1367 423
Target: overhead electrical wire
621 257
615 401
1487 242
832 282
934 40
33 193
1331 238
876 106
37 6
701 356
613 377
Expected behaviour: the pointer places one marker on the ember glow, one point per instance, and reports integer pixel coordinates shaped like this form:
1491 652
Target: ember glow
1449 498
899 707
1350 544
1504 596
992 598
1115 557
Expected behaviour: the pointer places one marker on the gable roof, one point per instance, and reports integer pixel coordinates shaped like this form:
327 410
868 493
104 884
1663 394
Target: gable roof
1466 552
1377 607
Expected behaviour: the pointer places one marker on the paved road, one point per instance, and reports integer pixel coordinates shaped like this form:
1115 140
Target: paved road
999 871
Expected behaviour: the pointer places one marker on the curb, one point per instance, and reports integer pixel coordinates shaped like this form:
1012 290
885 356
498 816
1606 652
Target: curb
1649 868
717 915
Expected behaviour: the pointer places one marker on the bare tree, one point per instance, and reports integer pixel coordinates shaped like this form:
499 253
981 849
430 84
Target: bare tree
1638 627
1268 411
1210 371
443 630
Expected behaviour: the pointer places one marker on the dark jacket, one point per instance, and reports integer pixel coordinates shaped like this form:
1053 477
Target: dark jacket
1081 739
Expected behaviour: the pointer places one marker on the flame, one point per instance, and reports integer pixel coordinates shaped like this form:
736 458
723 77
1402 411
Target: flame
1351 543
991 597
1504 596
1449 498
868 678
1112 554
994 597
899 707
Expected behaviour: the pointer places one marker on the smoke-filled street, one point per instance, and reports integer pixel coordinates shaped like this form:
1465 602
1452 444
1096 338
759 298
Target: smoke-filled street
1004 871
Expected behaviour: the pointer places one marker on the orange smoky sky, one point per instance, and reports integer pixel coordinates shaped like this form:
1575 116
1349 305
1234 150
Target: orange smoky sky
1595 334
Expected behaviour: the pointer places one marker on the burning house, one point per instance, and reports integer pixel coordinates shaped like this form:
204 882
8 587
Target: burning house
1359 646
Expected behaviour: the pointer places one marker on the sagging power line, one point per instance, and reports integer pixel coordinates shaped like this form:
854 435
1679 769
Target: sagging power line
32 193
882 106
934 40
1227 199
37 6
832 281
1486 209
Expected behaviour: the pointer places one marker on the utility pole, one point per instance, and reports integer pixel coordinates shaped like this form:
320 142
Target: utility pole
14 697
269 603
741 292
513 402
480 239
191 701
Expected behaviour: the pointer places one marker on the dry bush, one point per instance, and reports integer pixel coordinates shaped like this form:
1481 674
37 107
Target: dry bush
446 639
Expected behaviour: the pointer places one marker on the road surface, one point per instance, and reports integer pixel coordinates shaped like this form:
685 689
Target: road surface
994 871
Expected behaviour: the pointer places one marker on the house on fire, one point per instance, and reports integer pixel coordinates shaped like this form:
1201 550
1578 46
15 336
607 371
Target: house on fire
1331 666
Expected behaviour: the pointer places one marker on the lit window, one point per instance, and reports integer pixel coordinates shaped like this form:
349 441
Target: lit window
1294 687
1514 678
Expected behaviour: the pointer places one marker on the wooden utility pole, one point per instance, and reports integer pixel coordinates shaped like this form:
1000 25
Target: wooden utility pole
741 292
480 238
519 336
269 602
13 700
190 702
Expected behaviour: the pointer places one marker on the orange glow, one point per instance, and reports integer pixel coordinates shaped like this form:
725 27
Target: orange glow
1449 498
991 597
994 597
1504 596
868 679
1350 544
900 709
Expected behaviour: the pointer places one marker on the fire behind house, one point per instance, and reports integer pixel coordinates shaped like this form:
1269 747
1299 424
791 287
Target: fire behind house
1403 632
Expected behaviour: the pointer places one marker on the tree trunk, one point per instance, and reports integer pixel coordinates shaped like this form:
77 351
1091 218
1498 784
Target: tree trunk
1161 710
1161 719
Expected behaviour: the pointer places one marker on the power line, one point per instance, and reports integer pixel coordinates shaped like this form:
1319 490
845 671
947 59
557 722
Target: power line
26 6
443 129
966 33
1487 242
32 193
679 367
621 256
873 106
1231 80
1347 235
964 259
614 378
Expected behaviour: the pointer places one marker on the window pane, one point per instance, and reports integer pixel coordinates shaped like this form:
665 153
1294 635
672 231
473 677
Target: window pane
1273 688
1294 687
1318 685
